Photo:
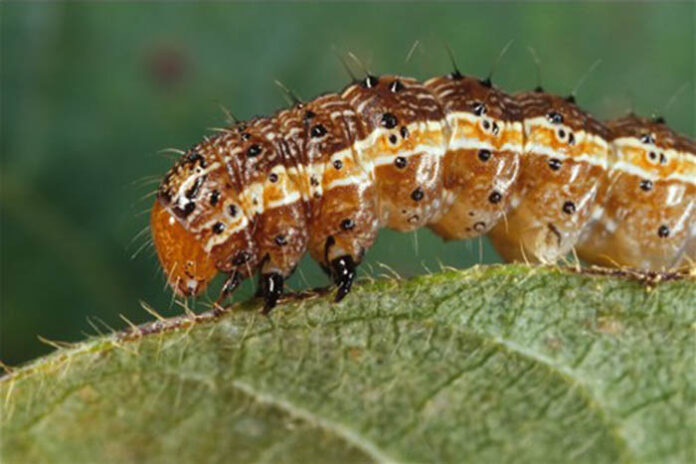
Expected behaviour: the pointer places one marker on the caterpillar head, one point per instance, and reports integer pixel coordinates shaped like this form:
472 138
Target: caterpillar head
187 266
199 222
174 223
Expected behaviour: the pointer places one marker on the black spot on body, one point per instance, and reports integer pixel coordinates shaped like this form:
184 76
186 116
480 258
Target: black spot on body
554 117
218 227
253 150
246 136
214 197
393 139
569 207
495 197
646 185
338 164
417 194
186 210
404 132
370 81
309 114
484 155
486 124
561 133
232 210
396 86
347 224
389 121
313 181
400 162
192 192
273 177
280 240
479 109
663 231
555 164
195 157
318 131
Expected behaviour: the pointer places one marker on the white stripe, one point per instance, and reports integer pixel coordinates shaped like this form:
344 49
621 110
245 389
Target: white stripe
630 168
217 239
594 159
419 149
188 183
345 181
671 154
473 143
290 198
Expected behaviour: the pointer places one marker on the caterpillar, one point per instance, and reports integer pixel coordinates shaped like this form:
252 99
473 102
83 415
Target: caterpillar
534 171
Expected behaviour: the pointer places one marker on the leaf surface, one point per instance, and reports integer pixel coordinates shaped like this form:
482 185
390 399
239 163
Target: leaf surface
492 364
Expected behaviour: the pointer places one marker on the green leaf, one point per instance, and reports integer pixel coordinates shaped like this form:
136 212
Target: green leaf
493 364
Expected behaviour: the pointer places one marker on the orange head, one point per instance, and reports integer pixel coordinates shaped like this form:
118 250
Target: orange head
187 266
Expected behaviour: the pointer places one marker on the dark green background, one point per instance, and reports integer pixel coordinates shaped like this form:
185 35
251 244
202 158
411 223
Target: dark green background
90 93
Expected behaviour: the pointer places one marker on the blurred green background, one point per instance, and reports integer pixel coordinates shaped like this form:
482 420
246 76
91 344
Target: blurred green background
91 92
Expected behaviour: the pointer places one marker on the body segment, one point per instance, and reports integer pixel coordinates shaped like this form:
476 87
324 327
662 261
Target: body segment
565 158
481 164
648 216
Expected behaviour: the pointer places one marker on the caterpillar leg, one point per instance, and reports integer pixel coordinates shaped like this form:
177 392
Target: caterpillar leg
340 191
231 283
343 273
270 289
282 241
344 227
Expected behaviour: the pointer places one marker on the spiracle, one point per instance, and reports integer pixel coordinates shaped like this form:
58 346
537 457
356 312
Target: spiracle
533 170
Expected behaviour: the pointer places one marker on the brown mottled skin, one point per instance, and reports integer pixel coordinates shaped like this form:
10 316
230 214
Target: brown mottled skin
470 174
393 103
332 211
555 197
323 176
652 225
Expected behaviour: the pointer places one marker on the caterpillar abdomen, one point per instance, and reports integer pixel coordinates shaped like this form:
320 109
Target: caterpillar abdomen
481 162
649 213
564 158
454 153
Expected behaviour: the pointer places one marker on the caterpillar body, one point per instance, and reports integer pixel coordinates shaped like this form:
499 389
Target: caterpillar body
537 173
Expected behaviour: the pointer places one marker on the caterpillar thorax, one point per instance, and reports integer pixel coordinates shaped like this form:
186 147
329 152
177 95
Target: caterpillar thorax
454 153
